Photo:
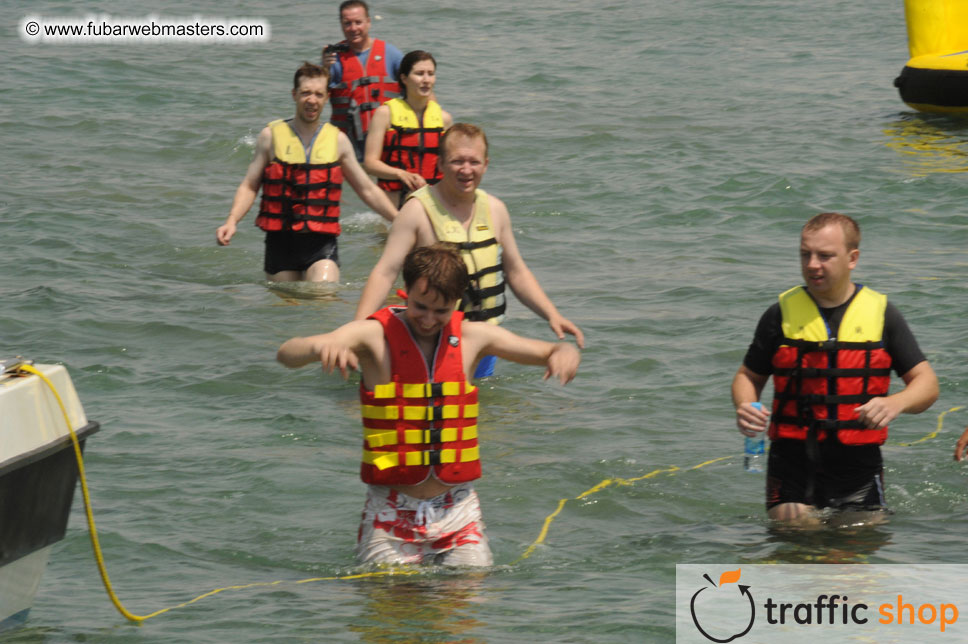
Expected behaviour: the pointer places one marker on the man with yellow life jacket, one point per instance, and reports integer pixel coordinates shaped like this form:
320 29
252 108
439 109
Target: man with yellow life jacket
830 346
420 412
455 210
300 165
402 145
363 73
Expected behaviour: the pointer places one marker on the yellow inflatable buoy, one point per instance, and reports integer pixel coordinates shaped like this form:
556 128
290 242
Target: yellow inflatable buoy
935 79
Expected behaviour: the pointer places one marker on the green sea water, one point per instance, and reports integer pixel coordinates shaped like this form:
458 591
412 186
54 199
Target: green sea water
658 160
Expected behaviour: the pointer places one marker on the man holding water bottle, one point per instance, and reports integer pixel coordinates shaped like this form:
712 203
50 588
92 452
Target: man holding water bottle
830 346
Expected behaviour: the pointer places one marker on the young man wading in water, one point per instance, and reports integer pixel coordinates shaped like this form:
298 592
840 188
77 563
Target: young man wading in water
420 410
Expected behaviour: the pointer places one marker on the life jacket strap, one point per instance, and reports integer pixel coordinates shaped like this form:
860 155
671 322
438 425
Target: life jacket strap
384 437
429 413
386 460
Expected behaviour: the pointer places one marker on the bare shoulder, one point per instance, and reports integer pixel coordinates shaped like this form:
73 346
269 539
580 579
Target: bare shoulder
410 216
264 133
500 216
501 221
412 208
497 206
414 218
343 144
367 332
260 158
263 142
475 337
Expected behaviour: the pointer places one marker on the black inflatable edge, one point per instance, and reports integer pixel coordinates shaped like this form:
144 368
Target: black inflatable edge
940 87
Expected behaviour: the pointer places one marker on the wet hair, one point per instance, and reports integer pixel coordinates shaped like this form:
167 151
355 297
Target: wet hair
308 70
848 225
349 4
410 59
463 129
441 265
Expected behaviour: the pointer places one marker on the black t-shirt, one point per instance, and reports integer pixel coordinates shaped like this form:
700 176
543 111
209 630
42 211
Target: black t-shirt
899 342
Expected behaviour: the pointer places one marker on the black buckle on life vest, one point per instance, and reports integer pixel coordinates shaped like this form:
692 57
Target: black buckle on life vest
813 399
431 457
432 436
827 346
825 424
436 390
436 414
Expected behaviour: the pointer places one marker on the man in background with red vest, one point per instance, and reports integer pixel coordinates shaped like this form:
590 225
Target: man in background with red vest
300 164
830 346
363 73
420 411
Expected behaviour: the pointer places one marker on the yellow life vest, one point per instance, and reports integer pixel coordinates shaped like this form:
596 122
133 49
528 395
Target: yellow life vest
403 116
863 320
410 145
298 193
484 300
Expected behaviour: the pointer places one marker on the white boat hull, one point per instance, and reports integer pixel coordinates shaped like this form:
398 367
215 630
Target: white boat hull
38 475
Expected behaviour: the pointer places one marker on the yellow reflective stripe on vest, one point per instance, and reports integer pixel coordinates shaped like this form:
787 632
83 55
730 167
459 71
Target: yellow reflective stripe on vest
419 390
402 115
287 147
384 437
863 320
448 412
385 460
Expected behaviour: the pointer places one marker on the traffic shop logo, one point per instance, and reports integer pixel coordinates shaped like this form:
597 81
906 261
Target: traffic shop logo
728 598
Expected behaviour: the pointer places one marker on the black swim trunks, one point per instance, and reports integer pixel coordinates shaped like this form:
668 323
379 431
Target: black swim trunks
291 251
843 478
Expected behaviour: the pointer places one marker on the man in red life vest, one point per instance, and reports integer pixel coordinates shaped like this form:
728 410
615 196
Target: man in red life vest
300 165
363 73
830 346
420 410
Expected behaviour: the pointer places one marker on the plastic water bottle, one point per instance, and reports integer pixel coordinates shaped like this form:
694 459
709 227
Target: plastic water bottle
753 450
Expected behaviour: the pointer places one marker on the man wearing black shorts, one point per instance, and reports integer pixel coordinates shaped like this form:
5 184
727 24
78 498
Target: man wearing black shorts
830 346
300 165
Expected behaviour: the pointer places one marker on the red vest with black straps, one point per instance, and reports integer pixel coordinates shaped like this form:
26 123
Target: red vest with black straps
425 419
300 193
411 143
360 92
819 378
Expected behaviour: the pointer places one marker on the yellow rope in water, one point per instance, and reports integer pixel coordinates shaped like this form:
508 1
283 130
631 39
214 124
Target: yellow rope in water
381 573
96 545
671 471
592 490
935 432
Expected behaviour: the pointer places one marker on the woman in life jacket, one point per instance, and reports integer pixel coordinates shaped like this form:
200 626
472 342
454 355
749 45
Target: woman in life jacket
403 139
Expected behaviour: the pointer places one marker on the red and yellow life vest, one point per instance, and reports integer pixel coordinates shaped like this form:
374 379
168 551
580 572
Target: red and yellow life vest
298 193
420 422
818 381
359 93
411 144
